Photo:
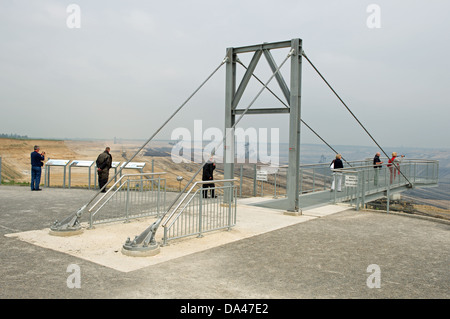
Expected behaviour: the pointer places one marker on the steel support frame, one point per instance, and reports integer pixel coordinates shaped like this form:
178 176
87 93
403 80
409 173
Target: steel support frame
292 95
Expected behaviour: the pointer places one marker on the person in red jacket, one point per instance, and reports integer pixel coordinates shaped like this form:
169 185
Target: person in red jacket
393 165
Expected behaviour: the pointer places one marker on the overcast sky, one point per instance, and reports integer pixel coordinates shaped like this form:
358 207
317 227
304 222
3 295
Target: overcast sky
131 64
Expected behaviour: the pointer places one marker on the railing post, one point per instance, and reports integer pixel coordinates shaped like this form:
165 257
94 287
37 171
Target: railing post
314 179
254 180
301 181
165 236
275 186
358 190
240 179
363 203
230 201
334 188
388 195
127 200
200 217
158 196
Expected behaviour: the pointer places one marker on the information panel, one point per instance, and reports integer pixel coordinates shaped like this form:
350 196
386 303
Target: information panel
82 163
351 181
261 176
137 165
53 162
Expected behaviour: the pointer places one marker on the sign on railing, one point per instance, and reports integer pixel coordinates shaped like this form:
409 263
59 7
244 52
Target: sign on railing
53 162
77 163
261 175
351 180
135 165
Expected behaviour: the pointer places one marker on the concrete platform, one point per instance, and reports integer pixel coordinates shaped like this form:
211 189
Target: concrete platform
323 254
102 245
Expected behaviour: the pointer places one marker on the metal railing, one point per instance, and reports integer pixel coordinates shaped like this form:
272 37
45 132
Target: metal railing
132 196
313 178
319 177
359 182
197 213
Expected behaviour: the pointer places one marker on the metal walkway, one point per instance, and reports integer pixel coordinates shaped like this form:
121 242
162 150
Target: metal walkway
364 183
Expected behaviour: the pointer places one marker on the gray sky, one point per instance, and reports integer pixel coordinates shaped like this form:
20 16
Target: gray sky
132 63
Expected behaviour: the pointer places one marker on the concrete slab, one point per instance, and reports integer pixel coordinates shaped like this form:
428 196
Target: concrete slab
102 245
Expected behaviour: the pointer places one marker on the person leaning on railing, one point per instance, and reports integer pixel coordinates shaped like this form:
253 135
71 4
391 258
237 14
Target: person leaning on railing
394 160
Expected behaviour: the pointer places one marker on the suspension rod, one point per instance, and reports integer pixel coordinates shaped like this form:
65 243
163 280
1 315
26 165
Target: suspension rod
74 219
282 102
348 109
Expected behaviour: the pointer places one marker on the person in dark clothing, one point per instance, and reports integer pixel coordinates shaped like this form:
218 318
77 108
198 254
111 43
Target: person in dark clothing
36 168
337 178
104 163
377 166
207 175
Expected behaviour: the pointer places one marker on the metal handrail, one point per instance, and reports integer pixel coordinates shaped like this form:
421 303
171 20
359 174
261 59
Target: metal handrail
105 202
347 169
187 194
114 185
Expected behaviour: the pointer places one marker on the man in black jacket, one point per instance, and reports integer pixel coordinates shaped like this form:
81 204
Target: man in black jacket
36 168
104 163
207 175
377 166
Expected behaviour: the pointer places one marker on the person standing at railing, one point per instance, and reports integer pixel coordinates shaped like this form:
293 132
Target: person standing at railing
377 166
337 176
208 175
394 165
104 163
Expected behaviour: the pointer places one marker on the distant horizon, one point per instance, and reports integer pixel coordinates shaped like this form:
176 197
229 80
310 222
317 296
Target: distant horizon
92 139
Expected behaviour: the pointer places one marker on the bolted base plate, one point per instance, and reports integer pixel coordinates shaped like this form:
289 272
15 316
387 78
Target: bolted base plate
151 250
293 213
66 233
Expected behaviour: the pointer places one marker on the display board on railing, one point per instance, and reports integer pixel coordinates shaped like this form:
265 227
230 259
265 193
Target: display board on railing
261 175
135 165
351 181
55 162
78 163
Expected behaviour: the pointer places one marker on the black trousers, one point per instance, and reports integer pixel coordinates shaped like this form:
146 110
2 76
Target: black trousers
205 190
102 182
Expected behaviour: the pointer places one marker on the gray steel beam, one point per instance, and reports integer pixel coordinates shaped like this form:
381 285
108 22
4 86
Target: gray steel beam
263 46
278 76
262 111
247 76
294 127
292 95
230 89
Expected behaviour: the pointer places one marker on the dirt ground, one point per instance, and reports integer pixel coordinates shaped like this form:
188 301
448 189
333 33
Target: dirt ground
15 165
15 154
